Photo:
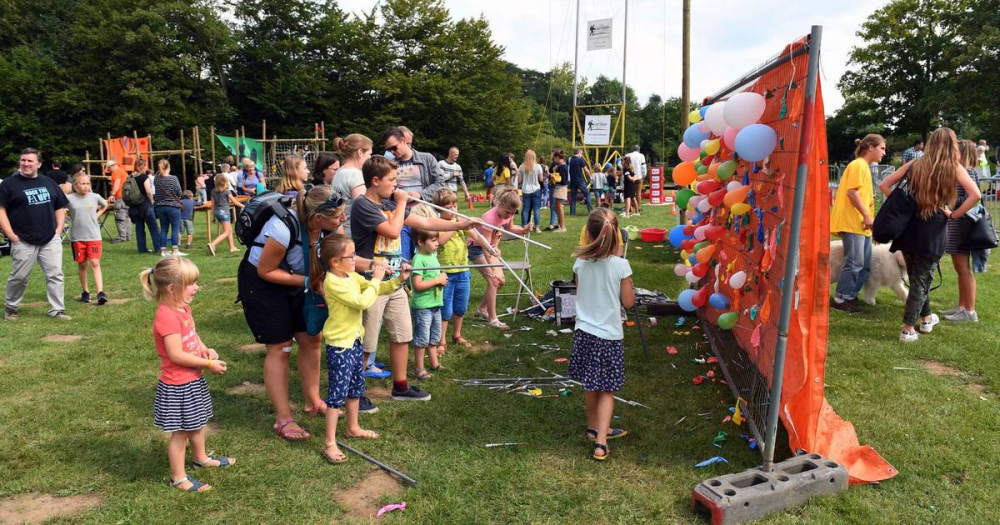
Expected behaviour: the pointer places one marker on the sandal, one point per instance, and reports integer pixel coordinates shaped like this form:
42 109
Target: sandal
434 368
340 457
461 341
223 462
614 433
195 485
290 434
482 314
421 374
496 323
365 434
603 448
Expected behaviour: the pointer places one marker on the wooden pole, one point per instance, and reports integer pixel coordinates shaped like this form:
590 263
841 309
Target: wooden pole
236 154
86 160
197 150
183 166
686 66
211 132
322 134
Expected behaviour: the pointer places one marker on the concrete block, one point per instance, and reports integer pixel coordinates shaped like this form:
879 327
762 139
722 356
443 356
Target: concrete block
749 495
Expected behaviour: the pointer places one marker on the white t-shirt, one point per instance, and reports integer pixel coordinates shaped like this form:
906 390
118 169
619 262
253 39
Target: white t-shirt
231 176
529 181
638 163
453 175
598 296
344 181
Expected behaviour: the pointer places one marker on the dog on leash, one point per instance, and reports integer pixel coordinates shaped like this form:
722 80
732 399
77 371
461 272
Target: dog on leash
888 270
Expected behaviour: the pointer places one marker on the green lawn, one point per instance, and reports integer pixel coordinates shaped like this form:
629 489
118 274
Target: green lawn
76 418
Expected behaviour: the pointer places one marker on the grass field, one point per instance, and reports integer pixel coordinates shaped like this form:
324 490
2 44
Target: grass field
76 417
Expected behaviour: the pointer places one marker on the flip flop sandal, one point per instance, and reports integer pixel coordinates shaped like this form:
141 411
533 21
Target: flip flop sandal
496 323
195 485
333 460
371 435
461 341
422 374
482 314
290 434
223 462
603 448
614 434
434 368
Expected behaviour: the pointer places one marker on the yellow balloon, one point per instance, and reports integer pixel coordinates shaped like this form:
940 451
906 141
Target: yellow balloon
686 257
694 117
740 208
712 147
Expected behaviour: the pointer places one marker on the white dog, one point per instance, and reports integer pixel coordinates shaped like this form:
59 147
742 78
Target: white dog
888 270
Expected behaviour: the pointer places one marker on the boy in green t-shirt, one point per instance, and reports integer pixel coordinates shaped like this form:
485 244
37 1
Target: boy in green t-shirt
428 287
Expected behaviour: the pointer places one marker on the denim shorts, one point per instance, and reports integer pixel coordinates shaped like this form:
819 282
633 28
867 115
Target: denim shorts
426 327
187 226
475 252
221 215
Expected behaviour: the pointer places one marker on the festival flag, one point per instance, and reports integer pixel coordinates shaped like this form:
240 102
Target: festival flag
247 148
125 151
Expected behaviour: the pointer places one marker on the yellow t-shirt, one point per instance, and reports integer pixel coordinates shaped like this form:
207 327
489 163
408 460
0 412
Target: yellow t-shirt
455 252
346 298
503 177
845 218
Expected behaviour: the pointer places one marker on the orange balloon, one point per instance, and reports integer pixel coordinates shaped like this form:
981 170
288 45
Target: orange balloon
705 176
705 254
684 174
713 170
736 196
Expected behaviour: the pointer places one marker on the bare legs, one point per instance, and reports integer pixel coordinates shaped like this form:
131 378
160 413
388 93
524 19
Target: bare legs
276 375
966 282
600 408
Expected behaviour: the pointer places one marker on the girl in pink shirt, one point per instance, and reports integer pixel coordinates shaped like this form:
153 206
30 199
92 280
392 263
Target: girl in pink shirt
484 249
183 404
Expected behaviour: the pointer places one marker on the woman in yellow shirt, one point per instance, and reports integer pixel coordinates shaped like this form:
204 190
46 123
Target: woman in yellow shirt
851 219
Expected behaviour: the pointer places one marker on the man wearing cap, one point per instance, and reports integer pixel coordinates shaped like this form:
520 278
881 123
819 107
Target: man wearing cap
122 222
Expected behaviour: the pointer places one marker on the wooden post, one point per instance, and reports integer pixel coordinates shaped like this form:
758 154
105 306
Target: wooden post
322 133
236 154
183 167
86 160
211 132
197 151
685 65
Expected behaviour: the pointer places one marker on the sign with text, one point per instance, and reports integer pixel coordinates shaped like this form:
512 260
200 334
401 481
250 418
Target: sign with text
599 34
597 130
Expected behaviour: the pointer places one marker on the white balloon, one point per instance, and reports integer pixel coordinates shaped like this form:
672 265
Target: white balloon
681 270
699 232
715 118
692 278
696 200
733 185
744 109
704 207
704 143
738 280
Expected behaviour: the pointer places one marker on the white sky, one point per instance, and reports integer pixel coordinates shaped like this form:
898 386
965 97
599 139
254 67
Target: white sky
728 37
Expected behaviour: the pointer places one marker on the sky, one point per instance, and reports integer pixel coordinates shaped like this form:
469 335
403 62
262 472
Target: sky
728 37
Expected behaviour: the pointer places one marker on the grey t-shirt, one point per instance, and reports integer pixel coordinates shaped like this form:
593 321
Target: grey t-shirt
453 175
83 213
344 181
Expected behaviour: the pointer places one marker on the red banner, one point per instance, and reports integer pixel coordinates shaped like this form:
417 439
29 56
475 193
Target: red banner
126 150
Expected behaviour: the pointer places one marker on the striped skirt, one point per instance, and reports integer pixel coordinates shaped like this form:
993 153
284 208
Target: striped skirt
186 407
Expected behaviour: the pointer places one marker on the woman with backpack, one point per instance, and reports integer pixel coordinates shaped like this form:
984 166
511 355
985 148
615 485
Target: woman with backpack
932 187
138 195
167 205
272 282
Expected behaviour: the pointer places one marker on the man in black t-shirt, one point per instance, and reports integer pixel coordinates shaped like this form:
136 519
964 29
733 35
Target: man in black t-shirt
57 174
32 212
578 171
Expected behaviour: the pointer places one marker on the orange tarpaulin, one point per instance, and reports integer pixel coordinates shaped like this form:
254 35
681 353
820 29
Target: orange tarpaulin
125 151
758 245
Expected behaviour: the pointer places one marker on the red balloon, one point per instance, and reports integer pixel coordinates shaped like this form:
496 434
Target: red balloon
708 186
699 270
715 233
688 244
708 160
701 296
689 230
716 197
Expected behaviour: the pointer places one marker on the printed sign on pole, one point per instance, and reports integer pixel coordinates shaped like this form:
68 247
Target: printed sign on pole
597 130
599 34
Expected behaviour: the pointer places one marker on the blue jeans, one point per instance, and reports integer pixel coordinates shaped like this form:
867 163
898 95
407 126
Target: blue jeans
456 295
426 327
170 217
582 186
857 264
531 203
142 221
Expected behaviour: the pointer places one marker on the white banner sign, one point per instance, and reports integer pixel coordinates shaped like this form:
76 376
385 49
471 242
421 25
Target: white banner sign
597 130
599 34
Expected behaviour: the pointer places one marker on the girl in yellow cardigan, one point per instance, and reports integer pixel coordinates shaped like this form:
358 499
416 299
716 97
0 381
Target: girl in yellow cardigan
347 294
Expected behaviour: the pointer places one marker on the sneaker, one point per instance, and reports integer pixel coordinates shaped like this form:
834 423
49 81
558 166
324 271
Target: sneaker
9 314
85 297
187 247
163 253
963 316
950 311
927 326
413 394
381 365
849 306
61 315
102 298
365 406
211 249
908 337
178 253
551 227
374 372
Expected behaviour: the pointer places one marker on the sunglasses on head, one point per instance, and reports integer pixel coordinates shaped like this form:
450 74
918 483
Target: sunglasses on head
334 201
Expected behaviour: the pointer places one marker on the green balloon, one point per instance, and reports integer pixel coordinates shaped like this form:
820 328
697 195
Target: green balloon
696 163
703 169
683 196
727 169
728 320
700 245
702 154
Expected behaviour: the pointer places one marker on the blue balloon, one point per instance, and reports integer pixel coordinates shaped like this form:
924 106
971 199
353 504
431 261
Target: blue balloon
693 259
703 110
684 300
693 137
755 142
697 218
677 236
718 301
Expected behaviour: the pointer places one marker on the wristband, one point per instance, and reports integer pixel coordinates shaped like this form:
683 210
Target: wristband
210 363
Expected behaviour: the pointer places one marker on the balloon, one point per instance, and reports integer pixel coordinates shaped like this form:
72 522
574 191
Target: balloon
703 127
708 186
703 144
718 301
734 185
687 245
738 280
703 169
699 269
727 320
684 174
700 297
694 201
705 254
677 236
702 110
727 169
714 233
736 196
692 278
716 197
740 208
688 230
694 117
687 154
683 196
712 147
729 138
692 259
701 245
716 119
698 218
705 206
693 137
684 300
755 142
707 159
680 270
699 232
743 109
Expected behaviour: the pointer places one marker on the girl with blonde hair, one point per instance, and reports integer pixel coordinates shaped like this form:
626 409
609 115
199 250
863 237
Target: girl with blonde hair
223 199
965 311
529 176
354 149
294 177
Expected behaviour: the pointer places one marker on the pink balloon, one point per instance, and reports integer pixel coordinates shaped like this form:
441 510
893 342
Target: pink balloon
680 270
703 127
687 154
729 138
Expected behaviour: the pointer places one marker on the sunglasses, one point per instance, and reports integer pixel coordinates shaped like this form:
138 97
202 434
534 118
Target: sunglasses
393 149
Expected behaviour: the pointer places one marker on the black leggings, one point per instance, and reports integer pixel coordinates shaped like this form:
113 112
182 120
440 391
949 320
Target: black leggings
918 301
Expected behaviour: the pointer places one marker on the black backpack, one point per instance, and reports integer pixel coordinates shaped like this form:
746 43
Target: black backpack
258 210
